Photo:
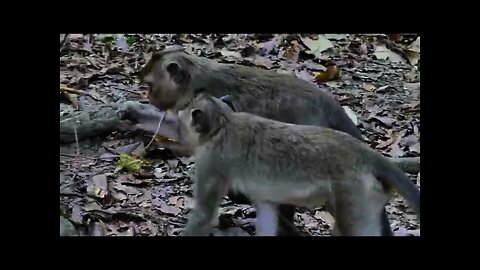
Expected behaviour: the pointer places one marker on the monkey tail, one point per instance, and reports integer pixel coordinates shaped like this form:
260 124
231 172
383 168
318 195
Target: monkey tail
393 177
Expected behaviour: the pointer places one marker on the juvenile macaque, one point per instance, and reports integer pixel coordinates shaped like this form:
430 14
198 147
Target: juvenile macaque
176 77
275 163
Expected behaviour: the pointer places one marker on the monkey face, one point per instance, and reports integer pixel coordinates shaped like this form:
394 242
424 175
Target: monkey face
202 119
168 80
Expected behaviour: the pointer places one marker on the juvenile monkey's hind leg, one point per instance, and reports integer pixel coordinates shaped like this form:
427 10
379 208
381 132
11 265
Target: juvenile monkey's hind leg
267 219
360 209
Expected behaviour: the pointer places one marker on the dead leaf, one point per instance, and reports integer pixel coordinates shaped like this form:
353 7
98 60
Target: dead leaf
336 36
317 46
394 139
172 164
326 217
309 222
382 52
177 201
119 196
304 75
292 53
415 46
380 89
165 208
122 43
415 148
77 216
92 206
130 179
351 114
127 149
409 140
75 36
369 87
231 54
262 62
387 121
412 86
331 73
396 151
269 46
98 186
412 57
333 84
128 190
313 66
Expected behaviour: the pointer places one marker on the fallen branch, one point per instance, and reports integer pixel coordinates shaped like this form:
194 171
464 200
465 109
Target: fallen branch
104 118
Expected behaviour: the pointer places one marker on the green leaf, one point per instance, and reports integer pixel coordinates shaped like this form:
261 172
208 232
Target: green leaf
129 163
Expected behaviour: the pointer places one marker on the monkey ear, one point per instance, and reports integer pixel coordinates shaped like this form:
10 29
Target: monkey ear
176 72
199 121
228 100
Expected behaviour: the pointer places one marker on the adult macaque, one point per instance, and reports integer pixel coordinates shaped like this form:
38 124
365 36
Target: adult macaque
275 163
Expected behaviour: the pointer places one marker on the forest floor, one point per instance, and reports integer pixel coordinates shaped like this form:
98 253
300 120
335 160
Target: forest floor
371 75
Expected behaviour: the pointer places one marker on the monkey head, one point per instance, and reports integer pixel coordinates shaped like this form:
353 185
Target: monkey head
168 75
203 118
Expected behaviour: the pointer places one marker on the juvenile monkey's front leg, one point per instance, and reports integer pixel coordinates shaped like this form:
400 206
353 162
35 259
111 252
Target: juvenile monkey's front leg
207 200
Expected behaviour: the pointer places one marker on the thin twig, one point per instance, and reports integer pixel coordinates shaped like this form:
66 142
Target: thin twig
64 88
156 132
76 140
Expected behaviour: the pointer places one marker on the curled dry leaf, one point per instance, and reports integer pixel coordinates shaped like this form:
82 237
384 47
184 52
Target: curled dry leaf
331 73
98 186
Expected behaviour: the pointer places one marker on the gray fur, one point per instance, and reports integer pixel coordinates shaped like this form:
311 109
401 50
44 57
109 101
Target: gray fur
279 163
